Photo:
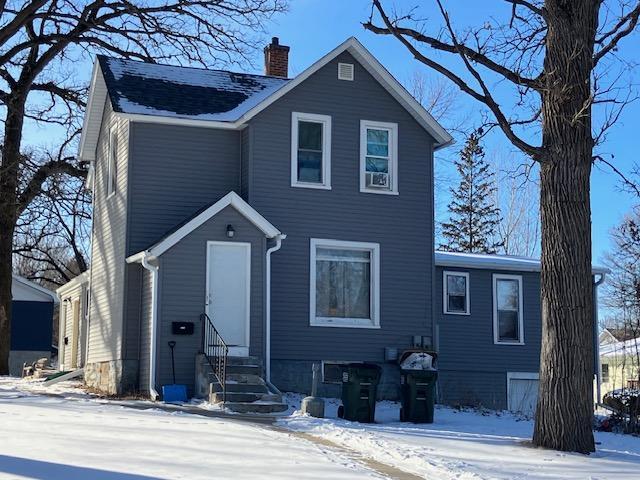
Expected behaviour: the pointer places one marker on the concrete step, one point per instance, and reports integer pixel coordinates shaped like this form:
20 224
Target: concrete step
244 378
244 369
245 397
256 407
241 387
250 360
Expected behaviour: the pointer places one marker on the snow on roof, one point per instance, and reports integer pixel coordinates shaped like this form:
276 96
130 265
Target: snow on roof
26 290
171 91
497 262
629 347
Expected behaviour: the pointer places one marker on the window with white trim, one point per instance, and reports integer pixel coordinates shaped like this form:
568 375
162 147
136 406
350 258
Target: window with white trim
507 309
310 150
112 162
455 287
378 157
344 284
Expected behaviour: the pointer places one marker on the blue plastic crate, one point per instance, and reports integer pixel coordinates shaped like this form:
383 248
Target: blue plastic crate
174 393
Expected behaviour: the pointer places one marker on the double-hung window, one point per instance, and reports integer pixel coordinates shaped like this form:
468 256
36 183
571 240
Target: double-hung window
112 162
344 284
507 309
455 293
378 157
310 150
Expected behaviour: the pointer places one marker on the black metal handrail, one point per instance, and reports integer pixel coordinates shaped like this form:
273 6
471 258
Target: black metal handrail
216 352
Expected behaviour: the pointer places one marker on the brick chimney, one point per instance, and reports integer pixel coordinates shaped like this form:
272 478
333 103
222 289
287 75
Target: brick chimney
276 59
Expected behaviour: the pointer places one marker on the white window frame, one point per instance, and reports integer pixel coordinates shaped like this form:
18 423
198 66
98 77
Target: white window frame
374 288
494 283
445 293
111 162
325 120
393 156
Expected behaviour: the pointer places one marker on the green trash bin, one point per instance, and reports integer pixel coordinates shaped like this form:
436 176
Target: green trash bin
417 389
359 390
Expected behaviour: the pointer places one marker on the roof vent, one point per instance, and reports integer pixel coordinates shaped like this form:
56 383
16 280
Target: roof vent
345 71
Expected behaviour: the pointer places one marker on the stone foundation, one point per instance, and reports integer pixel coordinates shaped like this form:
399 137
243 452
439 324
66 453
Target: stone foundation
296 376
113 377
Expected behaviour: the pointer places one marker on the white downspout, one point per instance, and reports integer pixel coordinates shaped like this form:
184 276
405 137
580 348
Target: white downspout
267 355
154 324
596 338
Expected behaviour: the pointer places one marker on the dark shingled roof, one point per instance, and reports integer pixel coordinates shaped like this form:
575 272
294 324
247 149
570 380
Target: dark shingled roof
171 91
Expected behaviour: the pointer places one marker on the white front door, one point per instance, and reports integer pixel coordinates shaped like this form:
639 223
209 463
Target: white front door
228 292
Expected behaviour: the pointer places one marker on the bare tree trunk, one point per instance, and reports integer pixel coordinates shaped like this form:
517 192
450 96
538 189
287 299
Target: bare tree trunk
566 362
8 210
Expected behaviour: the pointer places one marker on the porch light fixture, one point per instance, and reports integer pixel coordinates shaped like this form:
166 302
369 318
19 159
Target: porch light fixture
230 231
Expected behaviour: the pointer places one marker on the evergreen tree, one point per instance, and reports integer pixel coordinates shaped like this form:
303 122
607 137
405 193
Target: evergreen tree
473 215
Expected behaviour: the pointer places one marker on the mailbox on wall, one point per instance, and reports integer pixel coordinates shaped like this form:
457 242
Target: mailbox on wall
182 328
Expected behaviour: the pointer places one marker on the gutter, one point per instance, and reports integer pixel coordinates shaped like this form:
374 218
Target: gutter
275 248
597 283
154 323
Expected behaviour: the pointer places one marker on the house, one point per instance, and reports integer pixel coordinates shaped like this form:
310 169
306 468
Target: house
292 221
31 323
72 327
619 359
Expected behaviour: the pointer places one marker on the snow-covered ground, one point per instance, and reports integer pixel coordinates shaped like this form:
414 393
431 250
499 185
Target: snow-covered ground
468 445
76 436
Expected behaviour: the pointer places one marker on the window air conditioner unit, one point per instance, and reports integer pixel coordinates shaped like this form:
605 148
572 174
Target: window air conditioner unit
377 180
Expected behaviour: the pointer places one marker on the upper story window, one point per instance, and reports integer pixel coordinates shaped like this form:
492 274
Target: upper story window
455 293
344 284
378 157
112 162
310 150
507 309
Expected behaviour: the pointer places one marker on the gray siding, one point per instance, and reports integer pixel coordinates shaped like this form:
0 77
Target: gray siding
183 284
145 329
108 247
176 171
244 163
473 370
402 224
132 312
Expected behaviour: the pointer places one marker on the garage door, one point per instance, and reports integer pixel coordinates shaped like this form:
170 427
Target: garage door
522 393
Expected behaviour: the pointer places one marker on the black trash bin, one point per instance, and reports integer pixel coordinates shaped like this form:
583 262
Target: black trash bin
418 391
359 391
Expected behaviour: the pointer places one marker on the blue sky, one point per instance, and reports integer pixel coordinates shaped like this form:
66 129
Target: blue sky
314 27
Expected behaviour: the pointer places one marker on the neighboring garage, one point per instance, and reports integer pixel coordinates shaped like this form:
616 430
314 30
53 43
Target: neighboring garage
31 323
522 392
